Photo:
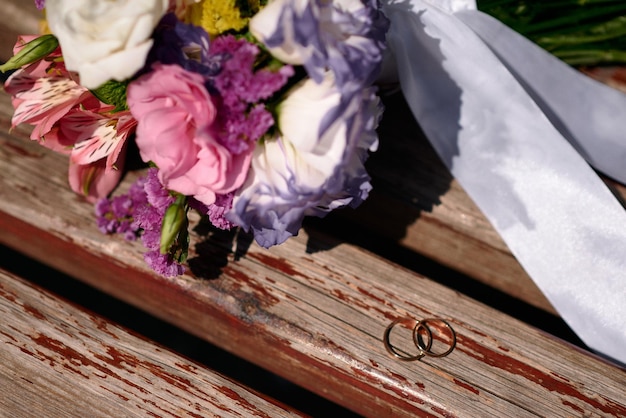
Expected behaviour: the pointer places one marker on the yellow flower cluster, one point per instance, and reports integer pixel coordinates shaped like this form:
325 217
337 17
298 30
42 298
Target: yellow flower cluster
219 16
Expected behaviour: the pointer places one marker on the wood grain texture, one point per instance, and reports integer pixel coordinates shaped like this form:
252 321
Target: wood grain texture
430 214
58 360
431 205
312 310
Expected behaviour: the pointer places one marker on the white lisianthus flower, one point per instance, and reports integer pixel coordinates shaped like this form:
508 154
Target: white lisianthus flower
313 165
104 40
266 22
345 36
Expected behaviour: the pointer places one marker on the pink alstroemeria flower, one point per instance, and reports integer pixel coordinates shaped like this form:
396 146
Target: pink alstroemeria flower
69 119
98 150
43 92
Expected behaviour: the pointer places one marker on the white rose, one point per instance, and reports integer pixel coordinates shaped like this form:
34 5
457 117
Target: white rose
104 40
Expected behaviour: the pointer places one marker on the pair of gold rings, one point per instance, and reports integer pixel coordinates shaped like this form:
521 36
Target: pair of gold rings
422 337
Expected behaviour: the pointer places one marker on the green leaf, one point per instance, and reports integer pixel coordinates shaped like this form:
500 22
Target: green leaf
32 51
114 93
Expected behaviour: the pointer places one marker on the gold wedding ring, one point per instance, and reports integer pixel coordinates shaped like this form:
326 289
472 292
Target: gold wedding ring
417 339
420 328
408 323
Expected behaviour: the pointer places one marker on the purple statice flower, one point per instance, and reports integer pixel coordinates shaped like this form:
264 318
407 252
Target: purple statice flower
347 37
215 212
149 218
116 215
242 118
218 210
40 4
238 76
157 196
140 212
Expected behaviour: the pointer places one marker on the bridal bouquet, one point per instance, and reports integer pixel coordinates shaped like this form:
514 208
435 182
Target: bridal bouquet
254 114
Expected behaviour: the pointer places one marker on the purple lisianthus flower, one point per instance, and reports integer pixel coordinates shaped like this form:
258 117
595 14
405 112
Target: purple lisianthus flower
184 44
315 164
40 4
346 36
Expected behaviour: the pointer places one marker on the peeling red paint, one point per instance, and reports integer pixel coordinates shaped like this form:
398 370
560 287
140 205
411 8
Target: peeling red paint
154 405
442 412
466 386
188 368
477 332
241 401
119 395
401 392
361 303
118 359
560 377
102 325
416 308
573 406
545 379
276 263
9 336
372 296
7 295
263 294
76 358
399 377
34 312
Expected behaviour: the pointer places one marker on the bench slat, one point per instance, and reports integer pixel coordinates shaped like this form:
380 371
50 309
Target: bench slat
58 360
312 310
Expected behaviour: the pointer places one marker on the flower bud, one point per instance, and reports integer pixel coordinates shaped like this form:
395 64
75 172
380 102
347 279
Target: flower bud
33 51
174 221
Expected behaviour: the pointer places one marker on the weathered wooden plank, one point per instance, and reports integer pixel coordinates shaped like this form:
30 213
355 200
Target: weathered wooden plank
312 310
58 360
431 204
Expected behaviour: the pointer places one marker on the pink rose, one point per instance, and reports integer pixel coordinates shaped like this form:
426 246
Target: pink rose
176 131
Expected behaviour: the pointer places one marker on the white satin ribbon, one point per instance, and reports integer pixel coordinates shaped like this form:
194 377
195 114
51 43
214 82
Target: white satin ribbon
491 119
589 114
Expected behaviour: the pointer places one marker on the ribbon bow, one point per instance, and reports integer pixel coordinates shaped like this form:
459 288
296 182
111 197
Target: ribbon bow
520 130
